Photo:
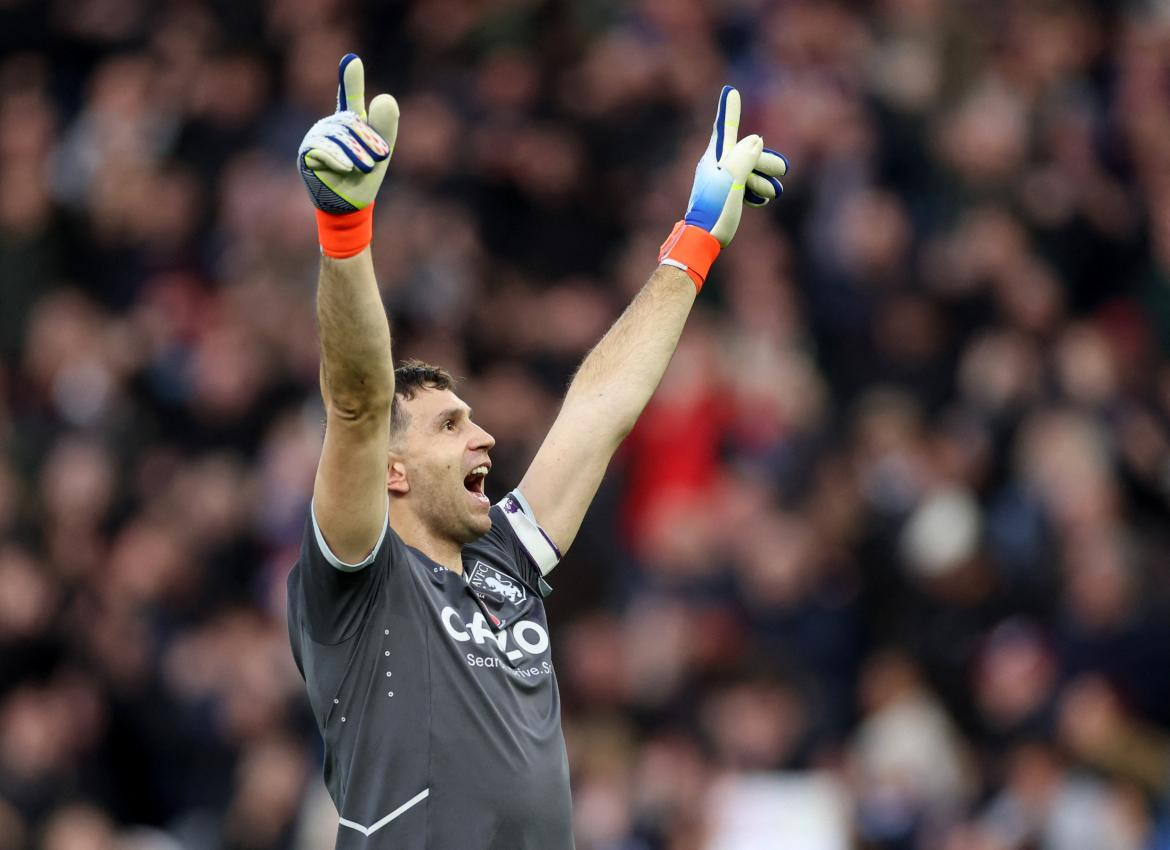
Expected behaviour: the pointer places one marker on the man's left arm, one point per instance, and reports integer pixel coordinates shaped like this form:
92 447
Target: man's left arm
619 375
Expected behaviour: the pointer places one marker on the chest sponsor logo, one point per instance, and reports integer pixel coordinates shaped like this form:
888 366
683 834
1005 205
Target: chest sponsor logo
522 638
494 584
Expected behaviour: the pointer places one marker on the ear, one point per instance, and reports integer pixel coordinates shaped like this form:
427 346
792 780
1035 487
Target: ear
396 481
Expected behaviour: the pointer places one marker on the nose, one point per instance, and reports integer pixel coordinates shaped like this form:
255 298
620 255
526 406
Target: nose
481 440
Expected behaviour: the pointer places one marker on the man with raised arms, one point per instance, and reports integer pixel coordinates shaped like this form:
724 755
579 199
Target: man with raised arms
416 610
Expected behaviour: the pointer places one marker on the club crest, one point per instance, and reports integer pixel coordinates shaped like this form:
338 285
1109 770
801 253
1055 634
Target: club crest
494 584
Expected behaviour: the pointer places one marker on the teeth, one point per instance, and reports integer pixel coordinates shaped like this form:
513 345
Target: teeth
480 470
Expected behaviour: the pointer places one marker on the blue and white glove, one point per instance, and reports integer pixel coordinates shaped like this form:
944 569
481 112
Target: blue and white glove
729 174
343 158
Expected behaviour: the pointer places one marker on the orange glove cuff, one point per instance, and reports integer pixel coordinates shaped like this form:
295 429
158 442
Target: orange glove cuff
691 249
345 234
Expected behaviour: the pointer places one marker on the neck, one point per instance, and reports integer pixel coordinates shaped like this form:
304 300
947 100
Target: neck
442 550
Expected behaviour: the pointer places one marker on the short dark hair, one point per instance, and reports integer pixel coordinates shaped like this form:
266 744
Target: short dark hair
410 376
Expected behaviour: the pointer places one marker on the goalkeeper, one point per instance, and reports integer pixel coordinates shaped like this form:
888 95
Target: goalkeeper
416 610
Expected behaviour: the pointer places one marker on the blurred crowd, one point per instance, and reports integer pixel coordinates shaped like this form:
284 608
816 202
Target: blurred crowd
886 564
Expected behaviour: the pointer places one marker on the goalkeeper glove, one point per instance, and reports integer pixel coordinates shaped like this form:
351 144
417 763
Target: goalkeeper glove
343 159
729 174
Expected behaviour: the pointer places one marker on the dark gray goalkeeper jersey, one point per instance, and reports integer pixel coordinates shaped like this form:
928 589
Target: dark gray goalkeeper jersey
435 692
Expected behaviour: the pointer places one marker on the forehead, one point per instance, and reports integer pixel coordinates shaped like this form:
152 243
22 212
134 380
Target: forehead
428 403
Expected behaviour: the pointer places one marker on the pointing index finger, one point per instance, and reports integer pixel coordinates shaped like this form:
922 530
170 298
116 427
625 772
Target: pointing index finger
351 85
726 123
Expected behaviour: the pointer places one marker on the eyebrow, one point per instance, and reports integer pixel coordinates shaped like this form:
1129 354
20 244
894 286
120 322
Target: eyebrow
454 413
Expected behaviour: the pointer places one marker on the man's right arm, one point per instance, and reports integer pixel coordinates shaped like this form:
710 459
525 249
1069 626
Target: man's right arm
357 384
342 161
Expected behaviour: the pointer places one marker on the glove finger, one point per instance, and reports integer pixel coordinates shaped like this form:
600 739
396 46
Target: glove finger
765 185
742 158
751 199
384 119
351 85
758 188
772 163
726 123
354 150
328 156
371 142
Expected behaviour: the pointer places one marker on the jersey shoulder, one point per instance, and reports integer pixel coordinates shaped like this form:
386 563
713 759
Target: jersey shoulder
515 544
328 598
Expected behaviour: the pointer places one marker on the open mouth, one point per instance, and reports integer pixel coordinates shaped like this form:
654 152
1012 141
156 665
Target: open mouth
474 481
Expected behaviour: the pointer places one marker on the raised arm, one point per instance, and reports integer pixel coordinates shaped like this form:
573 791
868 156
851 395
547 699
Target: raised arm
342 160
620 374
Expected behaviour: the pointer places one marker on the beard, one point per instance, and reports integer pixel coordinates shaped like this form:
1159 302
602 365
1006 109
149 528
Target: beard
444 507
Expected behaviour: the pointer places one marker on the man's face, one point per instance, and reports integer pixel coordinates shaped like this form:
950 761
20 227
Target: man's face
445 455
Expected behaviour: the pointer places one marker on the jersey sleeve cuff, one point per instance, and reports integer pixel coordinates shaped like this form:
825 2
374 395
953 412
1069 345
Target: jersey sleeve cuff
333 560
536 543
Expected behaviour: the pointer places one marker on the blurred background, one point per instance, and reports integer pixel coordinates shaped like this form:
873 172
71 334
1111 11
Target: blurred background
885 565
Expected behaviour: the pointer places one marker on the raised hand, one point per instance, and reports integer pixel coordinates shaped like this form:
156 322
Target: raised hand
343 157
729 174
727 169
